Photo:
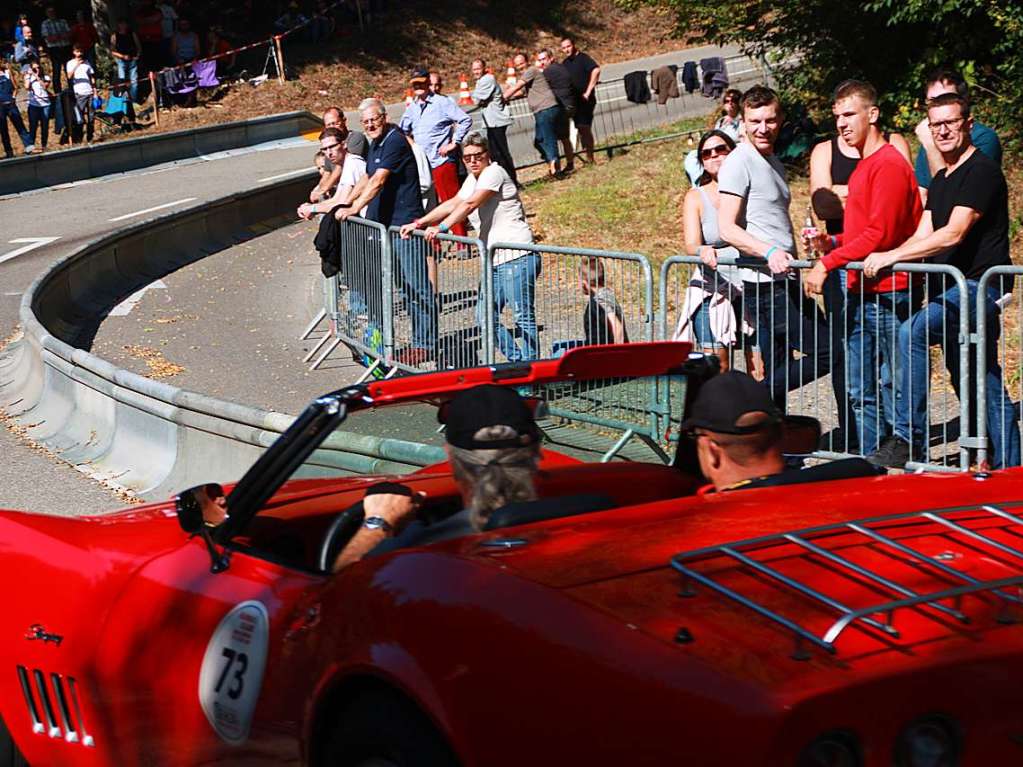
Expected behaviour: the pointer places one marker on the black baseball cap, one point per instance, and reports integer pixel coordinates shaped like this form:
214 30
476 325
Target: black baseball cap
419 74
726 398
488 405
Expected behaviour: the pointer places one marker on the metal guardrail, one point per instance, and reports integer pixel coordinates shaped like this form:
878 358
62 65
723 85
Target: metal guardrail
998 372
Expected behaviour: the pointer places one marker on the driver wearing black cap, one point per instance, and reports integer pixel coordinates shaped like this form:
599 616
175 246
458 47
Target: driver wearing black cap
493 445
738 432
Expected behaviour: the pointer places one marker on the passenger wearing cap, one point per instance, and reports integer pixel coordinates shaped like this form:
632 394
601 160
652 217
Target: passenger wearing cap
493 445
739 438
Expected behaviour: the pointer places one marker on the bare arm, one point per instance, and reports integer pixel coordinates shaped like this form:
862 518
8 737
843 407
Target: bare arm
899 142
923 133
827 202
592 86
617 328
512 91
364 192
396 510
326 183
692 229
927 241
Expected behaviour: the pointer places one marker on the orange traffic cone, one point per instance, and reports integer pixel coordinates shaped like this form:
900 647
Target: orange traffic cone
410 96
510 76
464 99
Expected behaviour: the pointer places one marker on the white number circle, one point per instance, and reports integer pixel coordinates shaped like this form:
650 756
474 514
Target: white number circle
232 670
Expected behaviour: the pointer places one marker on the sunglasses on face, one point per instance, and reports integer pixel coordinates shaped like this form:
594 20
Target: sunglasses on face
473 157
714 151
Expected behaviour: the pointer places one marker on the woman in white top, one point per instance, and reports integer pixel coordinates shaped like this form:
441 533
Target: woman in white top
82 78
490 199
712 313
39 103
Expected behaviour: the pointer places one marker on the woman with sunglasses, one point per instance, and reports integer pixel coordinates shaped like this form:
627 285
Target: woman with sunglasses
729 121
490 199
709 311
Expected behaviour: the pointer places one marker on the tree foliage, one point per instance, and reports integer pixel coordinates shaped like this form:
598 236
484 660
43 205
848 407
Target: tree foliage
891 43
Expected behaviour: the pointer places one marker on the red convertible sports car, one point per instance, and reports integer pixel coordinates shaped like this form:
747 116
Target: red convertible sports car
870 621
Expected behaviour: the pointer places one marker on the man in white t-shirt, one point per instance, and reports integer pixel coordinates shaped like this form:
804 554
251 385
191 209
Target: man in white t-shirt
353 168
753 216
490 200
82 78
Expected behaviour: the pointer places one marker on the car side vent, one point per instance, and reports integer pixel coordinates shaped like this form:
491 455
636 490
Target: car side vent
53 705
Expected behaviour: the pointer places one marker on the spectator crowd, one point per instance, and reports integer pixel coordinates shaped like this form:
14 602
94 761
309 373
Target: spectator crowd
872 327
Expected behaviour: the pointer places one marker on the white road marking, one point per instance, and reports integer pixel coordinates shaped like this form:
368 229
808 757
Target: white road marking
124 308
34 242
151 210
283 175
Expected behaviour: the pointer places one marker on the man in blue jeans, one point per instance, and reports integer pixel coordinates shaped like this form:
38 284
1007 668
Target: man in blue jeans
9 111
390 192
881 212
965 225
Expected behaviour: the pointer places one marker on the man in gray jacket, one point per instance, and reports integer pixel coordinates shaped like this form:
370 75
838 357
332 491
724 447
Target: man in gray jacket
496 118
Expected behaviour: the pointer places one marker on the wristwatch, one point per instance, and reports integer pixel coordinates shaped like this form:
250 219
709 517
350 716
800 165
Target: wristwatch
378 523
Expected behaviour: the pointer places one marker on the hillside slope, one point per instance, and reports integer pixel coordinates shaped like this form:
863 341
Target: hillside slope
445 35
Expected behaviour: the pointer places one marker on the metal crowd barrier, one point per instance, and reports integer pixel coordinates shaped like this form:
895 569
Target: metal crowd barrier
359 312
435 291
999 366
818 358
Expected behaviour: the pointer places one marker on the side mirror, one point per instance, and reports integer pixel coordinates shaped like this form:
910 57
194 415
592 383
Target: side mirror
200 506
801 434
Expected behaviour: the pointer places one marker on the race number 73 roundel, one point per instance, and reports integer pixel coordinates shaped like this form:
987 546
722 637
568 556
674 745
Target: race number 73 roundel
232 670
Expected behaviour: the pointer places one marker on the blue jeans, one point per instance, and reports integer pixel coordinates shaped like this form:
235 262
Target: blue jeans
873 336
546 135
39 120
417 291
938 322
128 71
785 321
515 286
9 110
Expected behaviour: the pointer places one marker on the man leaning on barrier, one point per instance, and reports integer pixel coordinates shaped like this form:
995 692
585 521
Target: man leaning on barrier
965 225
882 211
753 216
390 193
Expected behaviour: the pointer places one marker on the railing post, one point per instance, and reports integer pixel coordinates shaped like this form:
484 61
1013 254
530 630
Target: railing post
387 292
487 298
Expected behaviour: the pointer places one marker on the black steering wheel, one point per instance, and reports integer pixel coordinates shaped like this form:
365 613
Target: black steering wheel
341 530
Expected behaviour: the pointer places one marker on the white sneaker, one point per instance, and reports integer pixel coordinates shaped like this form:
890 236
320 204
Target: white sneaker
29 148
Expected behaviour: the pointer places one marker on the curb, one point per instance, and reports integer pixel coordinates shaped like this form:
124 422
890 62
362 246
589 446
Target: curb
141 436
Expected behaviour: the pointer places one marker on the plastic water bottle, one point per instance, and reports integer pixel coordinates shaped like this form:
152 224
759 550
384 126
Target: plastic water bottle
810 234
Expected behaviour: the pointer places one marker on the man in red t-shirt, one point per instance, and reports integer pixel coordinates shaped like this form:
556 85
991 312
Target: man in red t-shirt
882 211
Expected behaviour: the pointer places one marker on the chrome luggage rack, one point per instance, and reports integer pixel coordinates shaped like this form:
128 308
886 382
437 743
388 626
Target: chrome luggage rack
866 616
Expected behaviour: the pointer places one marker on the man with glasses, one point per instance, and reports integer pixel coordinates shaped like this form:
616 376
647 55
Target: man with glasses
929 159
390 193
965 225
355 144
437 125
351 168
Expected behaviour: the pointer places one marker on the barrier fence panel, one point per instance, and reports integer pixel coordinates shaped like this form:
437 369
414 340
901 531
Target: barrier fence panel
845 358
999 366
546 300
359 311
436 293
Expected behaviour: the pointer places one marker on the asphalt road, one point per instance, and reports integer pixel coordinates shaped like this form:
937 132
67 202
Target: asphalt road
42 226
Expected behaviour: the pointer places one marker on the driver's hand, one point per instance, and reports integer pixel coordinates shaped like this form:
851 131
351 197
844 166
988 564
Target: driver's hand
397 509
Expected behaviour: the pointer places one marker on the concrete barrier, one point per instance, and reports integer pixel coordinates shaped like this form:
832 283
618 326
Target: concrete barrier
21 174
134 433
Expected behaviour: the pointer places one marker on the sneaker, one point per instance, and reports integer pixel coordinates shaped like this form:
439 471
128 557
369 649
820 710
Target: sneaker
893 453
29 148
